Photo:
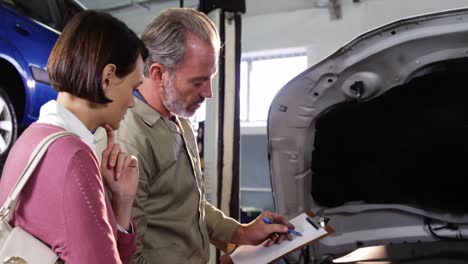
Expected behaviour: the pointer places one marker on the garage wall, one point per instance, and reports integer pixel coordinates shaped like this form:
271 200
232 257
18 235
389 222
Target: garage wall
313 30
272 25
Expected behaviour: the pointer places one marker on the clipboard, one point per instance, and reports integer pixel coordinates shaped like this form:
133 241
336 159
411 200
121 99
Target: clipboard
312 227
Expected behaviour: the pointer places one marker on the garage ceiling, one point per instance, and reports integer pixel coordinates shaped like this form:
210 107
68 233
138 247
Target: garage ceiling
254 7
124 4
138 13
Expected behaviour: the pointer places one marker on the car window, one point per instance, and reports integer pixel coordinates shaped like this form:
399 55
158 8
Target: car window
53 13
67 8
38 10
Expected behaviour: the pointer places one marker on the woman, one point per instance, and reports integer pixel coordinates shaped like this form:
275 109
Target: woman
95 65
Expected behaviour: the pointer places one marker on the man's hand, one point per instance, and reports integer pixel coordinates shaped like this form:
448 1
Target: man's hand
120 173
256 232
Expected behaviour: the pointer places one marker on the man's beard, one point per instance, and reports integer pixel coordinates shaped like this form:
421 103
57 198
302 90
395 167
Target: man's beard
171 99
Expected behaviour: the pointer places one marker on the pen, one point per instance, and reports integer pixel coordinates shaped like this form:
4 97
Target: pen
311 221
267 220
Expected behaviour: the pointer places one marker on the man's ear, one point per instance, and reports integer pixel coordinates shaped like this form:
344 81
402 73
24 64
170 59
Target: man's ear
107 73
156 72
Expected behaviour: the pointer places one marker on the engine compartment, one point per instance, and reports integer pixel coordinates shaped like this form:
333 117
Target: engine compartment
407 146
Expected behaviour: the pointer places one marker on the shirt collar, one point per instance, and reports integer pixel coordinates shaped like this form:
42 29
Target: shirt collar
150 116
54 113
146 112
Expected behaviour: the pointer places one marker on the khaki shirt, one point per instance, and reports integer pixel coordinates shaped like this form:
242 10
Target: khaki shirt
174 221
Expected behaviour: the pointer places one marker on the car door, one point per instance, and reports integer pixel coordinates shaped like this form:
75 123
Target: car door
31 40
2 23
33 29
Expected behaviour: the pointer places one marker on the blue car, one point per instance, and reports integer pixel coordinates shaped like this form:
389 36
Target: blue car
28 31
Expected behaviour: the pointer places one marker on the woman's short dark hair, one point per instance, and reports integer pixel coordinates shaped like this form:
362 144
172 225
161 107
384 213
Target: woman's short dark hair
89 42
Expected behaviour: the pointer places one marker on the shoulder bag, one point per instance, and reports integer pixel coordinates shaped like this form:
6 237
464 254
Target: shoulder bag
16 245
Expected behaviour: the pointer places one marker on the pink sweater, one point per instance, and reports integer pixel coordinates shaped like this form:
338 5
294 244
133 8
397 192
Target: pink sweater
64 203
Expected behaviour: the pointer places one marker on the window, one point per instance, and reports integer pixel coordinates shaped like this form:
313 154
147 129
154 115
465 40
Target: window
262 78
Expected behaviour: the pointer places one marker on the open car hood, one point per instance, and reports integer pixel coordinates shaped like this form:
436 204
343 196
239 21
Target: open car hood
375 136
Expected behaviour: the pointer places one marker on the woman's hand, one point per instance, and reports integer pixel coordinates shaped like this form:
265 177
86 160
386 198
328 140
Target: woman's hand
120 173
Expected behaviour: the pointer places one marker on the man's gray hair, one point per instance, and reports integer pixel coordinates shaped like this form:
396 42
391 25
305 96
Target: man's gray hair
165 36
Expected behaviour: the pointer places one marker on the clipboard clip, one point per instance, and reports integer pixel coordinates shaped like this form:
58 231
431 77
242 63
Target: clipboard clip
318 220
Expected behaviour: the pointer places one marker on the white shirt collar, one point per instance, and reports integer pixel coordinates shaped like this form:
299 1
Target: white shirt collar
54 113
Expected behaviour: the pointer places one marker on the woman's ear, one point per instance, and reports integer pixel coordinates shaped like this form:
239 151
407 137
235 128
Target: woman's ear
107 74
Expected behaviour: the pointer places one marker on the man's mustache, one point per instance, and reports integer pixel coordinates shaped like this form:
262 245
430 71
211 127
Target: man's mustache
200 100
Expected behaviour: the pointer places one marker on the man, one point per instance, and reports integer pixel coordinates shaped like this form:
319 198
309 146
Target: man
174 221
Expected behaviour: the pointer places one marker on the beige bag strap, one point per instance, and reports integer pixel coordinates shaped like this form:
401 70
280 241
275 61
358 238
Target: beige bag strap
34 159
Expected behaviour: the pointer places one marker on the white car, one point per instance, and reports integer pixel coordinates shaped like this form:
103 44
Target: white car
375 137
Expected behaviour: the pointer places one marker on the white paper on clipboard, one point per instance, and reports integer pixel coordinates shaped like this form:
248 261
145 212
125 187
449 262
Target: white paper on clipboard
262 254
